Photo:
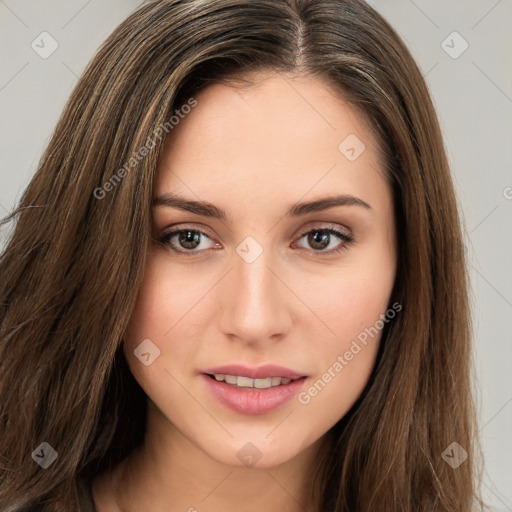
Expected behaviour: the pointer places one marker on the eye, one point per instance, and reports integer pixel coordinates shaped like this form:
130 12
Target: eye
320 239
188 239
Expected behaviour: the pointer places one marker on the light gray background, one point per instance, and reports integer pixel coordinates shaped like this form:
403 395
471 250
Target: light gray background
473 96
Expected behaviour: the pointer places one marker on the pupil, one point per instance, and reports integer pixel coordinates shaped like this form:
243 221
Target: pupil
316 241
189 239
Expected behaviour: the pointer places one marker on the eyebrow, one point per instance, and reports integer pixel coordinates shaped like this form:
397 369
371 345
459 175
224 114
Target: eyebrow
209 210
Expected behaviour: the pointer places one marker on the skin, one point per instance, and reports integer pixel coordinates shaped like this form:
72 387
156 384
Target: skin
253 152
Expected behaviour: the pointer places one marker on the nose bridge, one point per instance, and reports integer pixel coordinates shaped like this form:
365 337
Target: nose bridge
253 277
255 308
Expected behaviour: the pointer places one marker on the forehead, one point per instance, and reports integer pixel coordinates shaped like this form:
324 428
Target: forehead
282 134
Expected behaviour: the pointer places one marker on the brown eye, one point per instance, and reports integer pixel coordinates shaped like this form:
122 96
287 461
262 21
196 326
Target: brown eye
321 238
184 241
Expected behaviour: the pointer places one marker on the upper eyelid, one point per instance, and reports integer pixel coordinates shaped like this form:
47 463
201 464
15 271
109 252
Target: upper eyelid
179 228
327 226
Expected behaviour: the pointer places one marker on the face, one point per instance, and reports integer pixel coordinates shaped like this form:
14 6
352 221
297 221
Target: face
253 286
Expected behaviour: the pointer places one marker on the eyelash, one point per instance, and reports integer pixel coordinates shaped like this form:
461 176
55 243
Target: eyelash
346 239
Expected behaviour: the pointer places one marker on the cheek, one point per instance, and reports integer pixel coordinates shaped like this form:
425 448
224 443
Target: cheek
344 362
160 312
168 294
354 296
354 308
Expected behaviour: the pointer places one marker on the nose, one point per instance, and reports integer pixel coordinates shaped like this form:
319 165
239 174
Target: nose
256 301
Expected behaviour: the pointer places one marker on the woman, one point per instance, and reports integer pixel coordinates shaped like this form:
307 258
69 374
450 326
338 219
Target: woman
237 279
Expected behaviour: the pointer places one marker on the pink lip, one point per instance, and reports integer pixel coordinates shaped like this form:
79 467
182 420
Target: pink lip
252 400
260 372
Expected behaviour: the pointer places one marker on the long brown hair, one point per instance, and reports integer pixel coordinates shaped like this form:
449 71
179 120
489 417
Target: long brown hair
72 268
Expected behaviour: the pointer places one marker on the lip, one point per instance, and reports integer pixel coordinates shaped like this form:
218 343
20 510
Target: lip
260 372
252 400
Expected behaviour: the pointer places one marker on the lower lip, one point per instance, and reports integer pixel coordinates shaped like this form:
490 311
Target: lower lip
253 400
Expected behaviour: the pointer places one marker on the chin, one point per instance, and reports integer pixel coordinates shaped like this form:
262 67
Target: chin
257 451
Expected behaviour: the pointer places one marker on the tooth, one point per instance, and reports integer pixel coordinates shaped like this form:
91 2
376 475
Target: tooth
245 382
263 383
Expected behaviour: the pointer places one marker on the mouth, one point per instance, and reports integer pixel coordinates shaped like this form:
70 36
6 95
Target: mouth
253 390
240 381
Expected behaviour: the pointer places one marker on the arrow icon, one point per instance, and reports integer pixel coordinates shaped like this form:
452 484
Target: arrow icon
454 45
44 45
243 249
147 352
351 147
249 454
450 455
44 455
454 455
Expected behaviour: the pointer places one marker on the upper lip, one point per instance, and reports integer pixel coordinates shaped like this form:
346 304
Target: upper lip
260 372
